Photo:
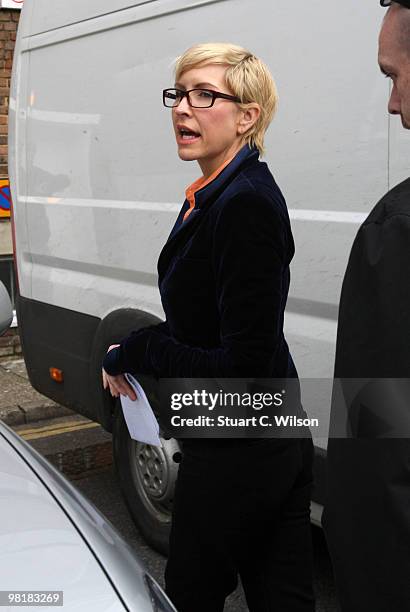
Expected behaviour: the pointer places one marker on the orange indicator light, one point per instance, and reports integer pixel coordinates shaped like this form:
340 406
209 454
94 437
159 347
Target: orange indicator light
56 374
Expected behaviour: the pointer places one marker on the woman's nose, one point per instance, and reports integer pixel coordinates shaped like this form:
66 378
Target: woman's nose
183 107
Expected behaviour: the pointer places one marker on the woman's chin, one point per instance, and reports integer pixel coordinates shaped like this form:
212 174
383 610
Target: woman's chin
186 155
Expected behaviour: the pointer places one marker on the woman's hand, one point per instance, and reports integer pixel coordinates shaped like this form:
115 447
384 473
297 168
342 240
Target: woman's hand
118 385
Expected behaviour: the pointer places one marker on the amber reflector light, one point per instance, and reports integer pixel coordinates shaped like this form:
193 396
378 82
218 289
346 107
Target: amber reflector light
56 374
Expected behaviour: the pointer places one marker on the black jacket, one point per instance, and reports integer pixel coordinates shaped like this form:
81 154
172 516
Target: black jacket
367 514
374 317
223 280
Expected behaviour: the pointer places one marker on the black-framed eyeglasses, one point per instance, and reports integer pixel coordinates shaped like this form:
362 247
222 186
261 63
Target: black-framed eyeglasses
197 98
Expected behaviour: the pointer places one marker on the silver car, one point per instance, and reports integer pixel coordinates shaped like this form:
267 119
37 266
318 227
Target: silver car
55 546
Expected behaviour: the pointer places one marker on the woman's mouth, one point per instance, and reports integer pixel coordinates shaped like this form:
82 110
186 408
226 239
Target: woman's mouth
185 135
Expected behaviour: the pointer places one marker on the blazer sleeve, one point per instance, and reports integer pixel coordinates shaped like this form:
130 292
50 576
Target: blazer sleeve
249 255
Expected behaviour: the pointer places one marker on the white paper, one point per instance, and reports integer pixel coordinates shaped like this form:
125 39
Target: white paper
138 414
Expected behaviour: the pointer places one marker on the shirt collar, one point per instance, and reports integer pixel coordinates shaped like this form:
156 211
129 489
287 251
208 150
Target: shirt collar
200 184
202 189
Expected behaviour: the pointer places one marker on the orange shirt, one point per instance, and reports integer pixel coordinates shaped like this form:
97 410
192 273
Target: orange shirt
199 184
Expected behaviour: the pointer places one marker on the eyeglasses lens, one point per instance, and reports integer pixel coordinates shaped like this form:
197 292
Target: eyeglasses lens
171 97
199 98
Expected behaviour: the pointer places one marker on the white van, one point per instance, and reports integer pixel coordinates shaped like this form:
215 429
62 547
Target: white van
96 185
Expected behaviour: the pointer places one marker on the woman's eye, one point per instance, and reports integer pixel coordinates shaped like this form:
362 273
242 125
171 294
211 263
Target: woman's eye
205 94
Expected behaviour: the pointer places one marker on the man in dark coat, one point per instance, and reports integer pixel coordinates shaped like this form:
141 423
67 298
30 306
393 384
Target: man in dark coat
367 515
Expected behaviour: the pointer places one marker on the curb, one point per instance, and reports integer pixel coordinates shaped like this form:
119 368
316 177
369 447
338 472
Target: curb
33 411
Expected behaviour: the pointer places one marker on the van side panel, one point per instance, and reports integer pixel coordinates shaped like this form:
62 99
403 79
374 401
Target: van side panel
49 15
97 183
56 337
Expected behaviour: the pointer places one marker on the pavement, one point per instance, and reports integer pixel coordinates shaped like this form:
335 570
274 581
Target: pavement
19 402
74 444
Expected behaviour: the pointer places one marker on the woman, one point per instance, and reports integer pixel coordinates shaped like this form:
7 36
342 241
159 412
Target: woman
240 506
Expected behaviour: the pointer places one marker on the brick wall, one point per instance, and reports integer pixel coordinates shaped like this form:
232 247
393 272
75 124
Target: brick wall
8 28
10 341
10 344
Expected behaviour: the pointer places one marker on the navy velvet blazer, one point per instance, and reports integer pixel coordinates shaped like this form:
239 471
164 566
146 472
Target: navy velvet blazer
223 280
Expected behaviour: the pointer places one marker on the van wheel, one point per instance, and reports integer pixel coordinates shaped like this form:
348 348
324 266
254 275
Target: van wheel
147 476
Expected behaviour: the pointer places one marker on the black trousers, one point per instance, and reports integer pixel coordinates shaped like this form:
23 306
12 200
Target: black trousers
242 508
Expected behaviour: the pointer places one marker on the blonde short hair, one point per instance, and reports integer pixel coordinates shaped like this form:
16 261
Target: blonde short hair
246 76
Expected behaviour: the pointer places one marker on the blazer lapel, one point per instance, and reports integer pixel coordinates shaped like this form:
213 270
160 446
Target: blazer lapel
179 234
182 230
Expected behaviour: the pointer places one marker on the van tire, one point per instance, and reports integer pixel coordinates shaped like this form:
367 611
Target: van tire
147 476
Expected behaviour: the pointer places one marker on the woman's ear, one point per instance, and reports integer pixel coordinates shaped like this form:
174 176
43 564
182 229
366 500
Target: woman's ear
248 117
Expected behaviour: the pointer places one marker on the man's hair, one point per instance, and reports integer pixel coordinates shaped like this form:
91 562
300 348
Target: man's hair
404 14
246 76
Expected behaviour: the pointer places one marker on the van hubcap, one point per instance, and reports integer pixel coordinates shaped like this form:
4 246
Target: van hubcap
155 474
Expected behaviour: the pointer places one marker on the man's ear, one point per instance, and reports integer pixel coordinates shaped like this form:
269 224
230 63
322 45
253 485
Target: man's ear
249 116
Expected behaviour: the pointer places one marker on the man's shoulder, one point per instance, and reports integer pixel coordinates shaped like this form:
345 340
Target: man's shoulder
394 202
